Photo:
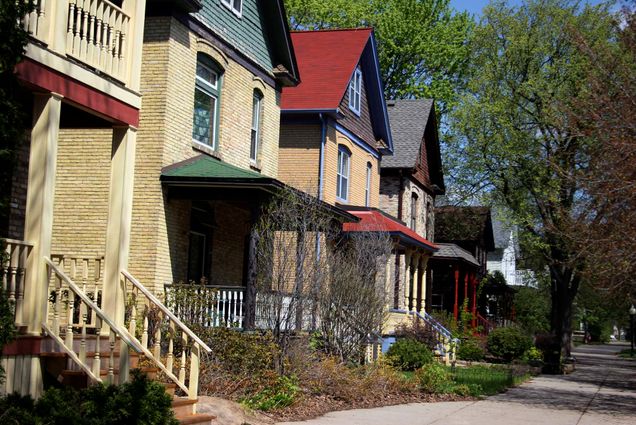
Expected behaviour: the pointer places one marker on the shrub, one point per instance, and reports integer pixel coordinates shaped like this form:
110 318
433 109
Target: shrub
490 380
281 394
533 354
409 354
470 350
417 331
434 378
508 343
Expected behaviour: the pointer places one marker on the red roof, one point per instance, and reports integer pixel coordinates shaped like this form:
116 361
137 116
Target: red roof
375 221
326 61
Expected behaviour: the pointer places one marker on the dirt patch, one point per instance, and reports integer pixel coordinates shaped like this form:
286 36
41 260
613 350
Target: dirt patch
228 412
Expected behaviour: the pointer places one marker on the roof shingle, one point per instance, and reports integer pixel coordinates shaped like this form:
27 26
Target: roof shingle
408 119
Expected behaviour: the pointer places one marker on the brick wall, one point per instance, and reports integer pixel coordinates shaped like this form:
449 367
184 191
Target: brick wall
19 182
299 156
389 201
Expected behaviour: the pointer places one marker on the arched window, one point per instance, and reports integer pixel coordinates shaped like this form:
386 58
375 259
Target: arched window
367 191
414 211
257 105
342 188
206 101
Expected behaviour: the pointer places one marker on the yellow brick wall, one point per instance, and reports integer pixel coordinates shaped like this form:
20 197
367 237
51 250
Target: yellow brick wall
159 237
80 209
357 171
299 156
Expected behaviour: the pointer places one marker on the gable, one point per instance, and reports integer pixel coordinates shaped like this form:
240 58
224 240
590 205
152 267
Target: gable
360 125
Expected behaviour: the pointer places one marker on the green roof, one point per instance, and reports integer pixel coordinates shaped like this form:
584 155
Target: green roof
205 167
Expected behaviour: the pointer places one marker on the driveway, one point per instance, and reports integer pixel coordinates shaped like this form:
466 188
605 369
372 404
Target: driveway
602 391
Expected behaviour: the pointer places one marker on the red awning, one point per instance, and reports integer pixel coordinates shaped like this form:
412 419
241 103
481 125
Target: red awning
375 221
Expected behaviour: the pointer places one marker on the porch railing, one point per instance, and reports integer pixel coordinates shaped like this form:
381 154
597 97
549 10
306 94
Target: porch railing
13 273
158 330
447 345
484 326
69 299
207 305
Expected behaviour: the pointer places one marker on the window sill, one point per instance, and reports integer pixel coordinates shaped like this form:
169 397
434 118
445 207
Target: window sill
256 166
198 146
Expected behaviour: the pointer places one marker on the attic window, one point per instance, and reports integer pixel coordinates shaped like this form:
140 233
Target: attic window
236 6
355 91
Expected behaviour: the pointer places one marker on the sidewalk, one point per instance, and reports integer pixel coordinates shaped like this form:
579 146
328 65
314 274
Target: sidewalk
601 391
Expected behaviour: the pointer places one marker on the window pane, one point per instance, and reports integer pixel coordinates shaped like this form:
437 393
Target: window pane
204 114
207 75
237 5
253 145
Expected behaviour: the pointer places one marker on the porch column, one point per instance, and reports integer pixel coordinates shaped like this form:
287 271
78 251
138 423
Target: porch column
396 280
421 283
414 281
122 172
407 278
39 206
465 301
387 279
456 305
474 301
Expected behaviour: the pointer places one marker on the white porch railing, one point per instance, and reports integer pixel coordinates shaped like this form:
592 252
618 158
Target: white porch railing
68 298
13 272
156 330
446 344
34 21
207 305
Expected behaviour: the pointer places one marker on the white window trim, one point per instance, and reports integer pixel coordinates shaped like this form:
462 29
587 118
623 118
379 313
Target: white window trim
355 91
230 5
367 194
209 90
257 99
342 154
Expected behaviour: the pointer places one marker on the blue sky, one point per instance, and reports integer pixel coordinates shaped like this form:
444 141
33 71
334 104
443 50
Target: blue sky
474 6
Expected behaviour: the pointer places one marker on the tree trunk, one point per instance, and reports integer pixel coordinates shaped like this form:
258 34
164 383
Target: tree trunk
564 286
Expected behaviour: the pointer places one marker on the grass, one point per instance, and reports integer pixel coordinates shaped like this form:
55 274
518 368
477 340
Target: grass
627 354
492 380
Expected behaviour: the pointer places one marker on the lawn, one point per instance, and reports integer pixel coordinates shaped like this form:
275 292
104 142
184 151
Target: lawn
492 380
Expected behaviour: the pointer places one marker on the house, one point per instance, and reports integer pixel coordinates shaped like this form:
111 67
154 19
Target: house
465 235
503 258
121 202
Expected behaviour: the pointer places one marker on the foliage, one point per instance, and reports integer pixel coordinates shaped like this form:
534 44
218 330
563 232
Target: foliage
13 39
281 394
533 354
417 330
487 380
7 322
470 350
513 143
508 343
434 378
139 401
532 309
421 43
409 354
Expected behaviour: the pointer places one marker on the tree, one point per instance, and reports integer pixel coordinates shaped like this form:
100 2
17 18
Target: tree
421 43
13 39
514 141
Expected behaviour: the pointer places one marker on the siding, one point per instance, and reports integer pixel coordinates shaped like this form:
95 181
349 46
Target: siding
360 125
247 33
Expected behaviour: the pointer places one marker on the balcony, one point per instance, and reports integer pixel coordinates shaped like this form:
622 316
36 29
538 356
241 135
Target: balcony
96 33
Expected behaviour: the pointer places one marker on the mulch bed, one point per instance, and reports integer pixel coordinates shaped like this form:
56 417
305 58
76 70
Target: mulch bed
311 406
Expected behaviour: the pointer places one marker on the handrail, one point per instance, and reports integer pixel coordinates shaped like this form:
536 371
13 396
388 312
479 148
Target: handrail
16 241
123 334
434 323
165 310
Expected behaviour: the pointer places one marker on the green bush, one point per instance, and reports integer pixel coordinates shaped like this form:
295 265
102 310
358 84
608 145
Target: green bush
488 380
508 343
470 350
139 401
533 354
435 378
409 354
281 394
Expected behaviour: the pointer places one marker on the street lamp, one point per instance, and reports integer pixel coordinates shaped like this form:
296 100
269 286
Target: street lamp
632 314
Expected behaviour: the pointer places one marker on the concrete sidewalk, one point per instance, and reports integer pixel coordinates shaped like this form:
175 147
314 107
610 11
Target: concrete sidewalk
601 391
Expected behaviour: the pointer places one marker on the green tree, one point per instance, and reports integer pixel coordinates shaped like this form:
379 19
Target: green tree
513 139
532 309
422 44
13 39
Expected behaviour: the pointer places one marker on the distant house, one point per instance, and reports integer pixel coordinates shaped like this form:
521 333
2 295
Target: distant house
504 258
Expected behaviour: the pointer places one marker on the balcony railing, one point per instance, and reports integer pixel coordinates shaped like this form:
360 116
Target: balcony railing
13 272
97 32
207 305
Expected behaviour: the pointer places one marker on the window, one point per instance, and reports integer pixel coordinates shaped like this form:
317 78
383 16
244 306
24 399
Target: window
367 192
236 6
257 101
414 212
355 90
196 257
342 188
206 102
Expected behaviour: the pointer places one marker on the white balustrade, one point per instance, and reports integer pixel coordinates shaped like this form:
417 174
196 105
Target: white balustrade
13 272
207 305
160 329
33 22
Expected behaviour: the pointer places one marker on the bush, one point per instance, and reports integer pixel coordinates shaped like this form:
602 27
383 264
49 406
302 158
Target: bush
435 378
409 354
533 354
281 394
139 401
508 343
417 331
470 350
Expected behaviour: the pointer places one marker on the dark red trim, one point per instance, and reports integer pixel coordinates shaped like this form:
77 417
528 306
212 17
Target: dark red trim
23 345
456 306
45 78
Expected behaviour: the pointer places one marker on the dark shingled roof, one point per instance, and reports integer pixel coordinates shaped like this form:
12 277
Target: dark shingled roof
454 224
408 118
452 251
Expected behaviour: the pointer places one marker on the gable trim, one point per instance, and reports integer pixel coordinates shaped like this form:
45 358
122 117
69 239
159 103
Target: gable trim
357 141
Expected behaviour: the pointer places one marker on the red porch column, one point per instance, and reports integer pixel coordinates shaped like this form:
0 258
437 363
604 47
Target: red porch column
474 303
456 306
465 292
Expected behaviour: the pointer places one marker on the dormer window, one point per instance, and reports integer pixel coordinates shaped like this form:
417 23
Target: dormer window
236 6
355 91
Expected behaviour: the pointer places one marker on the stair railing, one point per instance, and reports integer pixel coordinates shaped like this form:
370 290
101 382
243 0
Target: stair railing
447 344
159 326
484 325
13 274
67 298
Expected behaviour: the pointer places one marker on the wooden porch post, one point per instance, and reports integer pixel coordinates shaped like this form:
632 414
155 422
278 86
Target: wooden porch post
396 279
122 173
421 283
464 302
474 303
456 305
407 276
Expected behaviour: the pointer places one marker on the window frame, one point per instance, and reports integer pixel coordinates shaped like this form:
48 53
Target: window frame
344 154
355 91
230 5
367 192
211 91
413 223
256 127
